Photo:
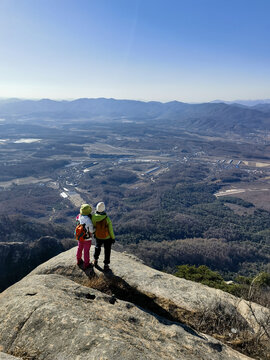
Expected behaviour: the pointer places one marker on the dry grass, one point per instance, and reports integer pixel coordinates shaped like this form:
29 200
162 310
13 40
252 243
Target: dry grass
100 283
230 328
25 354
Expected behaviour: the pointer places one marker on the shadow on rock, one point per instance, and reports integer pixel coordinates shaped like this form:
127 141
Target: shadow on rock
117 288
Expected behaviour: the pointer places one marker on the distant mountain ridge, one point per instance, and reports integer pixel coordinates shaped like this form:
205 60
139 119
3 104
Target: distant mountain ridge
215 117
244 102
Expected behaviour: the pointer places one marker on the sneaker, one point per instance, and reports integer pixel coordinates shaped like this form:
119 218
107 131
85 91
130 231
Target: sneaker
106 268
79 262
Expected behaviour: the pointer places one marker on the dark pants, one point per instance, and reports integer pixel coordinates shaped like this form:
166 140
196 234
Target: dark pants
107 249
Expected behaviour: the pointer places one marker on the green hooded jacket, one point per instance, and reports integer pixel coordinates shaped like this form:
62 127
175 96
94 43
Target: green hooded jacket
98 217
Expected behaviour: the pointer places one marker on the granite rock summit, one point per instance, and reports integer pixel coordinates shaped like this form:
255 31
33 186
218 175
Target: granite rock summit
60 311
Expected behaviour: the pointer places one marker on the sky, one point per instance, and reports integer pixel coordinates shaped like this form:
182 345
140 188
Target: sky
163 50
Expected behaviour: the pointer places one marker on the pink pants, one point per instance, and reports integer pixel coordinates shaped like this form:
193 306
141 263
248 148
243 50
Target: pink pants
84 246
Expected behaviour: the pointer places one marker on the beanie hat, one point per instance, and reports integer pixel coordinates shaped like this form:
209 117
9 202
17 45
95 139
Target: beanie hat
100 207
85 209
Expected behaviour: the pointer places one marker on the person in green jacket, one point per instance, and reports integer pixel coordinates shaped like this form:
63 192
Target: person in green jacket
104 234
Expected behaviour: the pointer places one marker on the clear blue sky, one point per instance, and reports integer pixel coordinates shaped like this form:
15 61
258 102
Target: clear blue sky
186 50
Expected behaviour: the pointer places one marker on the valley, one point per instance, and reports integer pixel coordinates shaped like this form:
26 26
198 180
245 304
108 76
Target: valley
176 195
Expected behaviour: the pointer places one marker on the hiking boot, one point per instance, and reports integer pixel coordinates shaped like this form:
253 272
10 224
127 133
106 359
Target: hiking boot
106 268
87 266
79 262
95 263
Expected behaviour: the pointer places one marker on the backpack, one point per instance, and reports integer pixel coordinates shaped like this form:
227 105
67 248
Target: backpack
80 232
102 229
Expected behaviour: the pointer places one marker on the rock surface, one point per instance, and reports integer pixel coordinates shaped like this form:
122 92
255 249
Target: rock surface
185 300
52 315
53 318
4 356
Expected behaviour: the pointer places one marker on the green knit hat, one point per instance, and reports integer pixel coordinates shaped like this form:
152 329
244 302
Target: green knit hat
85 209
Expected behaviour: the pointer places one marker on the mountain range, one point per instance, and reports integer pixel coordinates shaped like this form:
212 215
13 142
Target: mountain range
214 117
245 102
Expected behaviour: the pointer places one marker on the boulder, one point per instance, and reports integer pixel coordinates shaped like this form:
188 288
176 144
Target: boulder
4 356
49 316
60 311
182 300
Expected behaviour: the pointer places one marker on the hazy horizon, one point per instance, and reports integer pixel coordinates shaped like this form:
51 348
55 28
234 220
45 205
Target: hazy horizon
258 101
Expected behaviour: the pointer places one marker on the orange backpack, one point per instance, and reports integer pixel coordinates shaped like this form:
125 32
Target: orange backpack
80 232
102 229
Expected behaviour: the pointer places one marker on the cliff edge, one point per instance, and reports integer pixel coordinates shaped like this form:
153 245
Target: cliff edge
60 311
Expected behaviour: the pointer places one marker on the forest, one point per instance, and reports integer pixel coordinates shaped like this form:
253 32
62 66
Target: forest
187 224
168 218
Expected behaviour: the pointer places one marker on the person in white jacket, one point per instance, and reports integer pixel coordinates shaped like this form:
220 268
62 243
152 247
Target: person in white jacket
84 246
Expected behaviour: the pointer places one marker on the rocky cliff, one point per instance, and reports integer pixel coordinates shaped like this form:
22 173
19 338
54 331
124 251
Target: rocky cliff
61 312
17 259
